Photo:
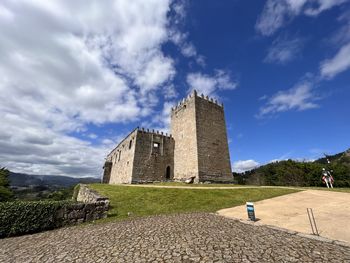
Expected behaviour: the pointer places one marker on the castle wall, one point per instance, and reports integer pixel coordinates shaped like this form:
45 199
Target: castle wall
213 153
183 129
197 148
153 156
120 161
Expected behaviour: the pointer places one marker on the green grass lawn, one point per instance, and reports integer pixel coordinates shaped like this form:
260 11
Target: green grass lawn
199 185
144 201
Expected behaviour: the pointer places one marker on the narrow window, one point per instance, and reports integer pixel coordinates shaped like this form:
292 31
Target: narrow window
120 154
130 144
156 148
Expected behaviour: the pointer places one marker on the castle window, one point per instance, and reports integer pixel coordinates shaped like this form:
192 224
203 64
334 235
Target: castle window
130 144
120 154
156 148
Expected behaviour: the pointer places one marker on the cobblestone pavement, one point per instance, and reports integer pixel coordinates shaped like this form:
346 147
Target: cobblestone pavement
196 237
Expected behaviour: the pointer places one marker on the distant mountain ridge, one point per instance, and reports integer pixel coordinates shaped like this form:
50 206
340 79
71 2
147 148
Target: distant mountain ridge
25 180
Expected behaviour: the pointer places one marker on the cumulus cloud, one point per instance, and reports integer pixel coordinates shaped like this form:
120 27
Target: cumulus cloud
209 85
284 50
66 64
246 165
301 97
277 13
26 146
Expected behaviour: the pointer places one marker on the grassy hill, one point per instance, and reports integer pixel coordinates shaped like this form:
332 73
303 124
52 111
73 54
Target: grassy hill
294 173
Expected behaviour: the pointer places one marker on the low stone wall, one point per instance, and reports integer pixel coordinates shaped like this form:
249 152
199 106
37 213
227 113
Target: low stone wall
88 195
27 217
93 206
82 212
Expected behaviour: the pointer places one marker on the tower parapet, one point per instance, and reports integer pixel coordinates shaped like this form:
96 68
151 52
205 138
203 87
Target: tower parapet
192 96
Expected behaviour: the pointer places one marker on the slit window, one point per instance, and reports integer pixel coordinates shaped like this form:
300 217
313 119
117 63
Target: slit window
130 144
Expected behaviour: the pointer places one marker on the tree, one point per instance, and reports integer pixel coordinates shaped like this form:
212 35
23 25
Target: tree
5 191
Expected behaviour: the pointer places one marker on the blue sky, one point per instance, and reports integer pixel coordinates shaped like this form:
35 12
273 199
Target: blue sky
75 77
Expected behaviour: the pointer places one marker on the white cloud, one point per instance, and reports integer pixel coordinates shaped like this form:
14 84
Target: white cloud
246 165
157 71
161 121
169 92
314 9
66 64
277 13
179 36
208 85
27 147
301 97
339 63
342 35
284 50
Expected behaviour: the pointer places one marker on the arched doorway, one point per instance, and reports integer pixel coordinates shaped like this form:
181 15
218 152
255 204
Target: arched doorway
167 173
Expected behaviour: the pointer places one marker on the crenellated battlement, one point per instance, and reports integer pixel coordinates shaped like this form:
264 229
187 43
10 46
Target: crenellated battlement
153 131
191 97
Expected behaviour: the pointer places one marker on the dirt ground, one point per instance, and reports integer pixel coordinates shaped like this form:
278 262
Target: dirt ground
331 211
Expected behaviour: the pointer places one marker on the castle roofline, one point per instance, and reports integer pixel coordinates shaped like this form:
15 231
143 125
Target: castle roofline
142 130
123 140
153 131
194 94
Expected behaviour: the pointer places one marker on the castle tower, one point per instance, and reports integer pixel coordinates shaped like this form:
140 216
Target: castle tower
201 147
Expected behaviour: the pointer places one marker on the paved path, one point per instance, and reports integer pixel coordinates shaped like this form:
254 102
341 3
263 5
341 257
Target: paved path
196 237
331 211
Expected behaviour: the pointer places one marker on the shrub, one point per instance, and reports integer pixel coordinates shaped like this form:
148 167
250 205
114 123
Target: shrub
5 192
24 217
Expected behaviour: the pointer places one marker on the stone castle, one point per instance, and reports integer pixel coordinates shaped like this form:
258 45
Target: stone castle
197 148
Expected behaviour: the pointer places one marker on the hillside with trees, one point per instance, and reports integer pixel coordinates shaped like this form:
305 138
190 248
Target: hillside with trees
295 173
20 186
5 191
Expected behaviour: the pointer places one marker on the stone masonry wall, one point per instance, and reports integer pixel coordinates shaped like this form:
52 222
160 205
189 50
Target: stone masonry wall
92 206
213 154
183 129
122 159
154 152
